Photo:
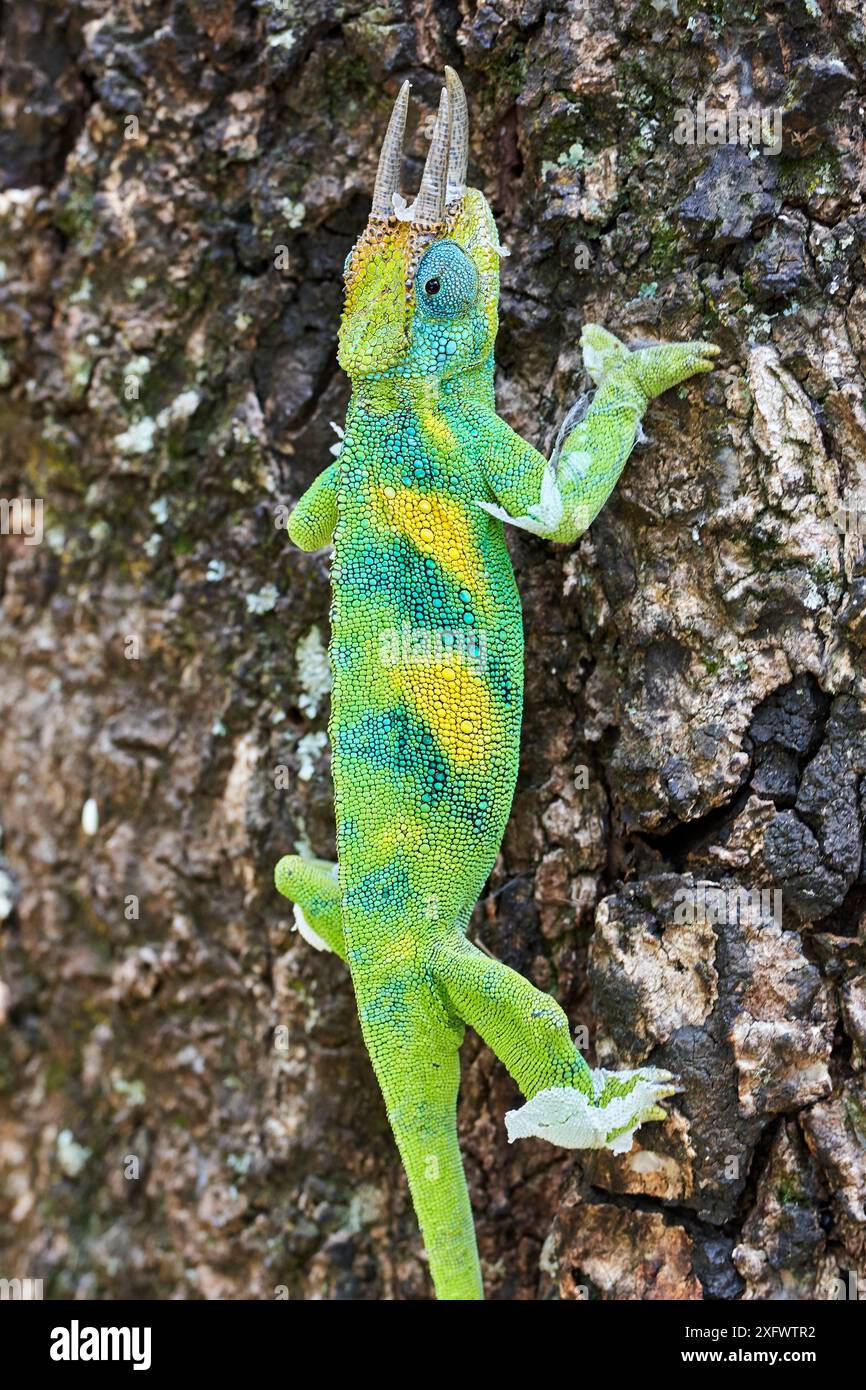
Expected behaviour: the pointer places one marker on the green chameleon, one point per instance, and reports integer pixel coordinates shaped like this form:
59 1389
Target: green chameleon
427 659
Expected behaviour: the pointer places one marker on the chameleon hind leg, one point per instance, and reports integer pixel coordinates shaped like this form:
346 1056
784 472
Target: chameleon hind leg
311 884
567 1103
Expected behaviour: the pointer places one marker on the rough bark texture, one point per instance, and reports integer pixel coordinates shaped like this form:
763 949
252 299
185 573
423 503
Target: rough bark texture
187 1110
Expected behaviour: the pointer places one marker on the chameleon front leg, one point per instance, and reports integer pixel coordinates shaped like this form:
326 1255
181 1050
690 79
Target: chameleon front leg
567 1103
559 499
311 884
311 523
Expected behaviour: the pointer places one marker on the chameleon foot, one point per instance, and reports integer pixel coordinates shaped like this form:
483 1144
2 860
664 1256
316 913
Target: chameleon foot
621 1102
311 884
653 369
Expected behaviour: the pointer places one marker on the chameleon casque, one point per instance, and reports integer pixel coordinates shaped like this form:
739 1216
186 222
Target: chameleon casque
427 659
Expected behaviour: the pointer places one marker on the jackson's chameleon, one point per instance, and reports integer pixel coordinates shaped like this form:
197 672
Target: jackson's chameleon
427 659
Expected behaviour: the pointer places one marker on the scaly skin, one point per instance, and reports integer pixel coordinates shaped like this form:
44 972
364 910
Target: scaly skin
427 659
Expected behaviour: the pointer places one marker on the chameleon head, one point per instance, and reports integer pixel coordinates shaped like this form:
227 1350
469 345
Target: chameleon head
422 280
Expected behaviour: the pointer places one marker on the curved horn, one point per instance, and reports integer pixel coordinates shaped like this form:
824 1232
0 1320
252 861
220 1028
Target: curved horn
429 206
458 144
391 159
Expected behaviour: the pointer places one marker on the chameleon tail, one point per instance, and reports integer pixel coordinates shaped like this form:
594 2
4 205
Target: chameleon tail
414 1049
414 1046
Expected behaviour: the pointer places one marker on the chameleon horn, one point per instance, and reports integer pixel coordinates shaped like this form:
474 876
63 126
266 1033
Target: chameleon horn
390 160
458 145
429 206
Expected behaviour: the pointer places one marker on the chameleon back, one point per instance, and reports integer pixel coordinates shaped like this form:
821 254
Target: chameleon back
427 657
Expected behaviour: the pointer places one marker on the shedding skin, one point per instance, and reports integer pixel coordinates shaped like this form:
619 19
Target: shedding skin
427 658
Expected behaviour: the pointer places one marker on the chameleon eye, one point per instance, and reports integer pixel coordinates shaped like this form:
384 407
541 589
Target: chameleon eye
433 286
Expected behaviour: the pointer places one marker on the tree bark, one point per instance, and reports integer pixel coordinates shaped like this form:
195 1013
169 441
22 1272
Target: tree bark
187 1110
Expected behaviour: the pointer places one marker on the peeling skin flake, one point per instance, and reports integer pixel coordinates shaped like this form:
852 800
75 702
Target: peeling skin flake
307 932
568 1117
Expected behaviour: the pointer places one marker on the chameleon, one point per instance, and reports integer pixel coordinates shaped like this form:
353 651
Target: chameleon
426 655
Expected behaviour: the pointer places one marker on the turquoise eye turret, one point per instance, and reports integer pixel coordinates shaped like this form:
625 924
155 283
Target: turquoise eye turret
446 282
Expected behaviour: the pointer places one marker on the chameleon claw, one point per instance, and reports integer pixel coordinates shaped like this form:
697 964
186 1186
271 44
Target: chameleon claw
656 369
705 355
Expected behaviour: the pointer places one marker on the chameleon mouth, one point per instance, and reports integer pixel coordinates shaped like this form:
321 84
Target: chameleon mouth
444 179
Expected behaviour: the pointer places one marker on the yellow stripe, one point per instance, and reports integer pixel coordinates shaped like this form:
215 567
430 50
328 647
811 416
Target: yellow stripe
437 526
455 704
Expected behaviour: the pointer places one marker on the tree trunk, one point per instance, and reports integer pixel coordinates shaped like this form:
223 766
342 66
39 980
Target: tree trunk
187 1110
